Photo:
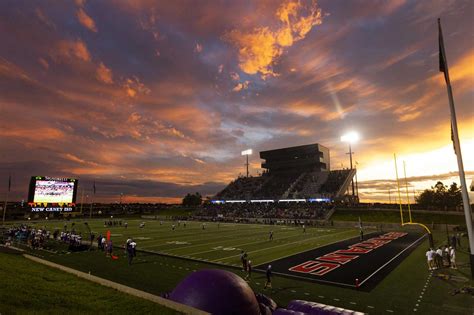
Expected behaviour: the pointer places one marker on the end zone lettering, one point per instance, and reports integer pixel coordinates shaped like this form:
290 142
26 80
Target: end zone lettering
328 262
336 257
315 267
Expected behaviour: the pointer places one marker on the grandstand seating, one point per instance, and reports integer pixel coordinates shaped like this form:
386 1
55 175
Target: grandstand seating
310 185
242 188
334 181
271 210
289 185
275 186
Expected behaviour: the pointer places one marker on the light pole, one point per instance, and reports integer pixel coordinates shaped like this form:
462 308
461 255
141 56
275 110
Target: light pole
351 137
357 185
247 153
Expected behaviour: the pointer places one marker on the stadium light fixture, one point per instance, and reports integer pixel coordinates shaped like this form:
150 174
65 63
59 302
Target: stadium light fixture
350 137
247 153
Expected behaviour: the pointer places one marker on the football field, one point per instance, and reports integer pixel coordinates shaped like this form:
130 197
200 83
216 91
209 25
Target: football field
405 279
217 242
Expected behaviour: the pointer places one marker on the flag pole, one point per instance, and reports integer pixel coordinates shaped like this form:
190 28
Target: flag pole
457 147
90 210
5 209
92 201
6 199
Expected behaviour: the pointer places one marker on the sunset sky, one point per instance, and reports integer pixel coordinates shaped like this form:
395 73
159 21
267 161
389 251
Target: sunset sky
155 99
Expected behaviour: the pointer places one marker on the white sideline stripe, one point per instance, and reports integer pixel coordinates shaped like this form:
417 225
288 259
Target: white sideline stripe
302 241
316 280
120 287
383 266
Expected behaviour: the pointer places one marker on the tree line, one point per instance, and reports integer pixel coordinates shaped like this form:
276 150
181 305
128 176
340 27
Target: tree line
192 199
441 197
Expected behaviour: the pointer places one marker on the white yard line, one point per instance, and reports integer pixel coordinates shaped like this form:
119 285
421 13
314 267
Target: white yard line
216 242
316 280
238 245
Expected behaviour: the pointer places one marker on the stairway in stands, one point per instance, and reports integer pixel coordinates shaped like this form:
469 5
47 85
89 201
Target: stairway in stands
290 189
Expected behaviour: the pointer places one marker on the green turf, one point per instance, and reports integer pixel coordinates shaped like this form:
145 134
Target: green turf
28 287
220 243
398 292
176 211
394 217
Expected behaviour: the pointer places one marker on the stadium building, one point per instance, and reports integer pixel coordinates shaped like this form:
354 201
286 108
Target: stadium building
300 172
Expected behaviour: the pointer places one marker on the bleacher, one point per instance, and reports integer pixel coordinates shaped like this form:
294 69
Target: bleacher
309 186
275 186
242 188
294 185
334 182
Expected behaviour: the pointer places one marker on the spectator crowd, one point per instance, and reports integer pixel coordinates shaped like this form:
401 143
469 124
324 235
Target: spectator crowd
278 211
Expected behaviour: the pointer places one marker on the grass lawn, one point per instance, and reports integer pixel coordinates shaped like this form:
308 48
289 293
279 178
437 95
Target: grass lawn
399 292
28 287
394 217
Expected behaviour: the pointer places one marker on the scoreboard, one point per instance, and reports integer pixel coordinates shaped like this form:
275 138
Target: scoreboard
52 194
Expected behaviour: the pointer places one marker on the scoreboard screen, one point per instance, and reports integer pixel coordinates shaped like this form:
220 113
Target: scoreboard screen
52 194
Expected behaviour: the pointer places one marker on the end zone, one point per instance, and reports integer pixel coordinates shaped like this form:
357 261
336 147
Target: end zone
350 263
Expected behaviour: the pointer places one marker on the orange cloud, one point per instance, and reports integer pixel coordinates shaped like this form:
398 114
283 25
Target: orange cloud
241 86
39 13
396 58
462 77
409 116
463 69
86 20
134 117
77 159
43 63
133 86
461 72
80 3
259 48
305 109
104 74
31 133
69 49
12 71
